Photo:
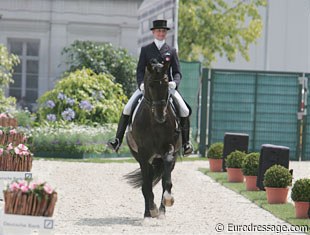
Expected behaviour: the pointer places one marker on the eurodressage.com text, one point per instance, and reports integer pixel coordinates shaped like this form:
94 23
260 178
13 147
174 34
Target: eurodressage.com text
230 227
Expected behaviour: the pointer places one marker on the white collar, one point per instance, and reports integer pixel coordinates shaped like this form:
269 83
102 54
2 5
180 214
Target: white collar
158 43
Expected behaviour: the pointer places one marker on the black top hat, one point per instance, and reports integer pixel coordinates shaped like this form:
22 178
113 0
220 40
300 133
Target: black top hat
160 24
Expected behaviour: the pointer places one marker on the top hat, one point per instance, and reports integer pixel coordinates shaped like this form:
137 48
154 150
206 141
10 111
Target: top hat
160 24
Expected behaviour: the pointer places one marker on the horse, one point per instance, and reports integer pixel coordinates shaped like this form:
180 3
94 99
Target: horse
154 139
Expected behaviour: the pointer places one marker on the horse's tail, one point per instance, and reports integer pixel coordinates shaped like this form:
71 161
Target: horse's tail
134 178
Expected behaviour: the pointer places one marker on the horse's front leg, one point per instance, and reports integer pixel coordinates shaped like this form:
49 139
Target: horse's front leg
147 190
167 198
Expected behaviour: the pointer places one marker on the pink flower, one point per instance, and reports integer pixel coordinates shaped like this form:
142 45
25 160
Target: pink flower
14 186
24 188
10 147
1 151
1 132
48 189
32 186
22 183
21 149
13 131
3 115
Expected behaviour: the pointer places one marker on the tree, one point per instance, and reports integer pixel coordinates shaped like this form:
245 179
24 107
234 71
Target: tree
7 63
102 57
211 27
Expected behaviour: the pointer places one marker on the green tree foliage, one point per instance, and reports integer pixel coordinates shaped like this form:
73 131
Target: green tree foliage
83 97
103 58
211 27
7 63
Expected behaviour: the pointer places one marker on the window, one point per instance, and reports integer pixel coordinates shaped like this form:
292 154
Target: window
26 73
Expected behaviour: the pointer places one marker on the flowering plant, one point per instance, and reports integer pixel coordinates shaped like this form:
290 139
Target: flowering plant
26 197
82 97
71 138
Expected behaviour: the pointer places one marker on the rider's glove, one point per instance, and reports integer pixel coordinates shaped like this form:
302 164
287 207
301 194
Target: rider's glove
172 85
141 87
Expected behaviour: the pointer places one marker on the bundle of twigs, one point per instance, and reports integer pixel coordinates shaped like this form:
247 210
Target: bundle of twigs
15 138
8 121
14 162
29 203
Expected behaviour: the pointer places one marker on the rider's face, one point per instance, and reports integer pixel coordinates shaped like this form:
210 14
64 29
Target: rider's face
160 34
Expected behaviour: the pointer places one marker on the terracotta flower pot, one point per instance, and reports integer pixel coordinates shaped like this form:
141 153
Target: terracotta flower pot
301 209
276 195
235 175
250 182
215 164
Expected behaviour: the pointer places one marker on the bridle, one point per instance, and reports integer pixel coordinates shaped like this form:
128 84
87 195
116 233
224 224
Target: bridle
154 103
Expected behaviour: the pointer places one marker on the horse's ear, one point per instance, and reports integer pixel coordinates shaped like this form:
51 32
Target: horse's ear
166 65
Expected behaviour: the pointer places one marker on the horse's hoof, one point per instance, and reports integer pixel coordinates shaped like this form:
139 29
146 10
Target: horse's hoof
168 199
154 212
168 202
161 215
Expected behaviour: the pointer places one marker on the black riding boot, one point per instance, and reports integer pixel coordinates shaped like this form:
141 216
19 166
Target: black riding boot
122 125
187 146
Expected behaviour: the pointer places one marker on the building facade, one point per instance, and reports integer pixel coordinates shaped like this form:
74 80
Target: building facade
151 10
38 30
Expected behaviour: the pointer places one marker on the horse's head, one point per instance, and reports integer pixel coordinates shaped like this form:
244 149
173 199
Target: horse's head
156 84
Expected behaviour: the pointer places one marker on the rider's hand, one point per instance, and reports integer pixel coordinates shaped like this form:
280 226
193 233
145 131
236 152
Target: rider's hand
141 87
172 85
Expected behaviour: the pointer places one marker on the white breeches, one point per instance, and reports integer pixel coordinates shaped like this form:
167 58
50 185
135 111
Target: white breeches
128 106
184 111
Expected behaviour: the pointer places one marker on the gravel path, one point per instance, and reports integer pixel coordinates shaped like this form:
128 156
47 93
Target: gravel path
95 199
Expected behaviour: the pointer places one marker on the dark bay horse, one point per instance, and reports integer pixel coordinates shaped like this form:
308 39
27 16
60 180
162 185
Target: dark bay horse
155 139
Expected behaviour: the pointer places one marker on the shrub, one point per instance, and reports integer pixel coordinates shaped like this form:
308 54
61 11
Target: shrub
301 190
235 159
277 176
102 57
215 151
24 117
83 97
250 164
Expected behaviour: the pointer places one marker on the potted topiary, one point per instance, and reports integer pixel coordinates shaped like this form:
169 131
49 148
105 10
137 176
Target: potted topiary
250 170
215 154
301 196
234 164
277 178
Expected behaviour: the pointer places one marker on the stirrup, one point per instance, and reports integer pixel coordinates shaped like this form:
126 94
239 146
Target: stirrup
114 145
187 149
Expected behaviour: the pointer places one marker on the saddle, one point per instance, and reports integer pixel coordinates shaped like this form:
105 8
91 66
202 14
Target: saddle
137 103
135 107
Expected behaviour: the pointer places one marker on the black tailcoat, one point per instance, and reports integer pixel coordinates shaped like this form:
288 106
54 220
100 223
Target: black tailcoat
165 53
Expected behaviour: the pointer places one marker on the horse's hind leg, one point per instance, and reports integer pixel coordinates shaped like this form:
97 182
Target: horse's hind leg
147 190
